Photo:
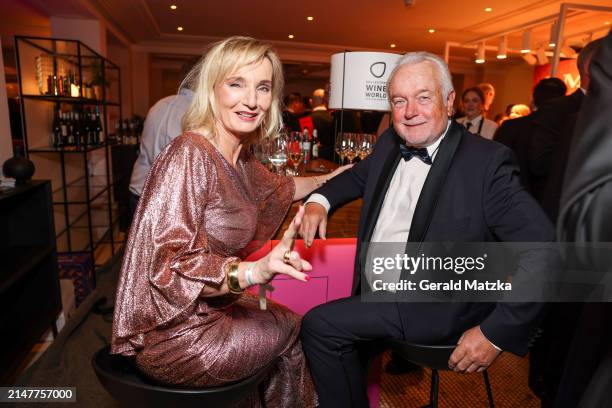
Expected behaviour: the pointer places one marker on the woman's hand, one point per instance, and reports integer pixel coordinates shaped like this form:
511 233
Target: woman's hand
274 262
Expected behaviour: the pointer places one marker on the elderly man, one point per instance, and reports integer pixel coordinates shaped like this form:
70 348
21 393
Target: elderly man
428 180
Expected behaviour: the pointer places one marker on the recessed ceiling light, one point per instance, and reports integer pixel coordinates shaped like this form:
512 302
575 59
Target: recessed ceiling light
179 28
290 36
488 9
431 30
309 18
173 7
392 45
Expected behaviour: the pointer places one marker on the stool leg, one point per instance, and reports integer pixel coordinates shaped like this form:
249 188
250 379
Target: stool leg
488 387
433 391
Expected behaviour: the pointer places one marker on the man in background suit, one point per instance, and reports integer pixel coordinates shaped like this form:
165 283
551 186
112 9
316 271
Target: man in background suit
516 133
428 180
552 138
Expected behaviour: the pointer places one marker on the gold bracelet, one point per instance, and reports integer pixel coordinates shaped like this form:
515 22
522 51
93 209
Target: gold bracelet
232 279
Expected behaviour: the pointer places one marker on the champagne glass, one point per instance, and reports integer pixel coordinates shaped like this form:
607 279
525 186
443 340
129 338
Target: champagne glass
365 145
341 147
294 149
277 153
351 146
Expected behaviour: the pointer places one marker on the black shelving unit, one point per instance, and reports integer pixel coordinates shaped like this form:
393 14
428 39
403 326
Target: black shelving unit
30 299
84 208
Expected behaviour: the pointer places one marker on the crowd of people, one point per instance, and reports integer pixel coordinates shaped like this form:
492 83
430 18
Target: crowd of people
203 203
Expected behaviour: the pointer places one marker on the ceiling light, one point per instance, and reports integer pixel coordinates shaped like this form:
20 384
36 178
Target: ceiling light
488 9
173 7
432 30
553 34
290 36
392 45
179 28
526 44
502 50
480 55
309 18
607 23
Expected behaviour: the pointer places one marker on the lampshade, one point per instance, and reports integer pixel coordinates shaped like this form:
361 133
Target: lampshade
359 80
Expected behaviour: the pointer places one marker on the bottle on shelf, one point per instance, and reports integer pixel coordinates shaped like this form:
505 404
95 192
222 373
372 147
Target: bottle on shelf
97 128
57 140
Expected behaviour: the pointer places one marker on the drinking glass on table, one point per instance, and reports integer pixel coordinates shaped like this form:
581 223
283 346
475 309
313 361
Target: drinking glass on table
341 147
351 146
295 151
364 145
277 153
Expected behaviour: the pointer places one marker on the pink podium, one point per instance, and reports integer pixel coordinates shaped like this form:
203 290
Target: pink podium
331 278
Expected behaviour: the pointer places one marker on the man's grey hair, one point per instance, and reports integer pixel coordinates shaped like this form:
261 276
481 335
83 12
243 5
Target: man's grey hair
412 58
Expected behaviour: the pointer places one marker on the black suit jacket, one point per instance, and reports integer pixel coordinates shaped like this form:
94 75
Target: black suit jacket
473 194
550 147
516 134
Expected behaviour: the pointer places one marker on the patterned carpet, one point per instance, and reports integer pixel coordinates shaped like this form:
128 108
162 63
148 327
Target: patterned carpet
508 376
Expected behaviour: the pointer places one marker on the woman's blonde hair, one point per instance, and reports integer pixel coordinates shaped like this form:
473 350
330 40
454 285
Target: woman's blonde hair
221 60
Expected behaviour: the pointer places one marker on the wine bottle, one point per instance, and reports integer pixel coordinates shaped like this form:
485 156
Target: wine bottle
57 129
306 144
315 144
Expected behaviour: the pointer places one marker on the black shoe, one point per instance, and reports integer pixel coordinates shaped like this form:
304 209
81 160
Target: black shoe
398 365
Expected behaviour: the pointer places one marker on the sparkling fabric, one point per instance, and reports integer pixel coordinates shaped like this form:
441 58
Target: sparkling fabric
196 214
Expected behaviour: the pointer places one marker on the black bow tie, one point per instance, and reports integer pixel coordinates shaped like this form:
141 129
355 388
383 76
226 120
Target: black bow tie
410 152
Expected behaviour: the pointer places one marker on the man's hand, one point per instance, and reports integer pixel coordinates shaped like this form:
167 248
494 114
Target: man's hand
315 218
474 352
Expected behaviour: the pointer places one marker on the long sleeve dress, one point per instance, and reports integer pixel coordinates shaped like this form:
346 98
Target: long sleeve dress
198 213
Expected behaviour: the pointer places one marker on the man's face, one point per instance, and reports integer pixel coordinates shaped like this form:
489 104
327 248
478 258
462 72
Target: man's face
420 115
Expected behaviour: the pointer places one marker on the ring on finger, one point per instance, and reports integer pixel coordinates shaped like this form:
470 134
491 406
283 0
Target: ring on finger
287 256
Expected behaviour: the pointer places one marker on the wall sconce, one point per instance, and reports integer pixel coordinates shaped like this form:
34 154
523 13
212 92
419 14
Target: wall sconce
502 50
526 45
480 54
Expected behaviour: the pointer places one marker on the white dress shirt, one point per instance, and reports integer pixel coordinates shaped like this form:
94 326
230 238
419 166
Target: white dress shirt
162 124
488 126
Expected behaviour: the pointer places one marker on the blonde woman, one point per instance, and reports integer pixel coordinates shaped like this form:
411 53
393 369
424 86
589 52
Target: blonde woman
207 204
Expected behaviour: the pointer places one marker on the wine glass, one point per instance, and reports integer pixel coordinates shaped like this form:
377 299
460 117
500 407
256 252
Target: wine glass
260 150
277 153
364 147
351 146
341 147
295 151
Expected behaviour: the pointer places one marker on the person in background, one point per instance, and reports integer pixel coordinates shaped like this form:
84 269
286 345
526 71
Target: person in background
181 311
516 133
161 126
489 96
324 123
294 108
474 121
519 110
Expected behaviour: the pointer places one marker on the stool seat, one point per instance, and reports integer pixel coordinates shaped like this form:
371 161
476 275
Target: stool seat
436 358
124 382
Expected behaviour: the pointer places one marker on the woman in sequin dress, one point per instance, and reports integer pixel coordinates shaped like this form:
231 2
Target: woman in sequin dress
206 205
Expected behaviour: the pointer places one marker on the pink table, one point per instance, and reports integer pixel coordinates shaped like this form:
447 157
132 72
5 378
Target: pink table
331 278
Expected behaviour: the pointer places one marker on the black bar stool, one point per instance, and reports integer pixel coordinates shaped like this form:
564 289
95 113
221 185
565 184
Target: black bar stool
122 380
435 358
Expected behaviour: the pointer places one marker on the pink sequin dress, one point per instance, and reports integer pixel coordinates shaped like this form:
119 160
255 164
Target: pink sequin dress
196 214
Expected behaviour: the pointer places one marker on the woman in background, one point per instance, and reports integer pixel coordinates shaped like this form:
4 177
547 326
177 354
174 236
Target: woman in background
472 102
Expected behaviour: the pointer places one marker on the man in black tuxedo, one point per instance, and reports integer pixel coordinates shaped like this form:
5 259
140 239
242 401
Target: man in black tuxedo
428 180
516 133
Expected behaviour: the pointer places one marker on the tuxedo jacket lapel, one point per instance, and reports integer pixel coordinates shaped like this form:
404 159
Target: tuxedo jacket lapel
433 184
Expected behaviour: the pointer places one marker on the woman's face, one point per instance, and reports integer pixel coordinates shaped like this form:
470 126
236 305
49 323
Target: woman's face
243 98
472 104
